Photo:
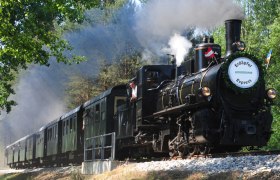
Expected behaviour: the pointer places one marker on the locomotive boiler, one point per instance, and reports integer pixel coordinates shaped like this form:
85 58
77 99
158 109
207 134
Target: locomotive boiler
214 104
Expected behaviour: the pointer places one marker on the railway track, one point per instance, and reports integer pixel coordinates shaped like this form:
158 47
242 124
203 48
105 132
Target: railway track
231 154
210 155
249 153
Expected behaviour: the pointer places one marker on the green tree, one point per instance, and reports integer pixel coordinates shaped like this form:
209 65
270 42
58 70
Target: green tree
120 72
261 32
255 29
219 37
81 88
29 33
272 77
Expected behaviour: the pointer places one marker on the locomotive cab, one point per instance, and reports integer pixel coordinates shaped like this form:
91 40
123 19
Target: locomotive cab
149 80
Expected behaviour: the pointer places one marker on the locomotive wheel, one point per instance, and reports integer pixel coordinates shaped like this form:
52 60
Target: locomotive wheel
172 153
204 150
193 150
182 152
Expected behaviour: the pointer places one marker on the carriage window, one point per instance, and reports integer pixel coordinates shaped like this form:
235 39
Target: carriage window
86 116
103 110
53 132
63 126
97 112
74 123
91 114
67 126
71 124
53 129
50 134
56 134
103 116
37 139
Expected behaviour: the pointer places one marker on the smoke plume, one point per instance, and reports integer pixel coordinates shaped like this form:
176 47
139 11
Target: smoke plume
158 20
40 90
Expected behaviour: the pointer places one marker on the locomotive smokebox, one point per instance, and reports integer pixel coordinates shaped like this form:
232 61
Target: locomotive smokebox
233 29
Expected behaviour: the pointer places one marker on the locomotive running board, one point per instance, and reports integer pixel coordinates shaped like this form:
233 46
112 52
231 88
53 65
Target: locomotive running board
177 109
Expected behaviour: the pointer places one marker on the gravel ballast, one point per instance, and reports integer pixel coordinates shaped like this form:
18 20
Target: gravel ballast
252 164
245 167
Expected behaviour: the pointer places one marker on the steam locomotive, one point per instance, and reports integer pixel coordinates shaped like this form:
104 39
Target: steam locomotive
211 103
217 104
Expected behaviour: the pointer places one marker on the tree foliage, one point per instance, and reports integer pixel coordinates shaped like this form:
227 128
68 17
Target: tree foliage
120 72
261 32
272 77
81 88
29 34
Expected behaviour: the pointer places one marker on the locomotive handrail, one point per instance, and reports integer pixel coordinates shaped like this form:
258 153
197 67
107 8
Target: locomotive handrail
177 108
160 85
101 147
92 148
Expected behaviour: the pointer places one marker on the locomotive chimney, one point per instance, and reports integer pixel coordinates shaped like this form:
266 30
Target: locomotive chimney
233 29
173 62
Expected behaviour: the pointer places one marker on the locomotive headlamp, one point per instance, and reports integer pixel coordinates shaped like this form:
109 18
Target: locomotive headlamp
206 91
271 93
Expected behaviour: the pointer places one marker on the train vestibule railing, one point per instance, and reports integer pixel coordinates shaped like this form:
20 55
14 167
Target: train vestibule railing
100 147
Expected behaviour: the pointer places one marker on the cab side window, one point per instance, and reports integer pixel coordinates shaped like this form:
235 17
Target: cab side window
152 79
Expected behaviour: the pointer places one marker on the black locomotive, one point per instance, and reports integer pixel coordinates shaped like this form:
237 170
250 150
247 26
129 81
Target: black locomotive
217 104
211 103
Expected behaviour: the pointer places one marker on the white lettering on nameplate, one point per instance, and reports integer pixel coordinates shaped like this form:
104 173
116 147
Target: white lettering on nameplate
243 72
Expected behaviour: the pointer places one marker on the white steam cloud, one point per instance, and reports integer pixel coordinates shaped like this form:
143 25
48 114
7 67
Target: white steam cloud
178 46
158 20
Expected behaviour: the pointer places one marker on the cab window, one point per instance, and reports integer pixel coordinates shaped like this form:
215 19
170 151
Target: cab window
152 79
